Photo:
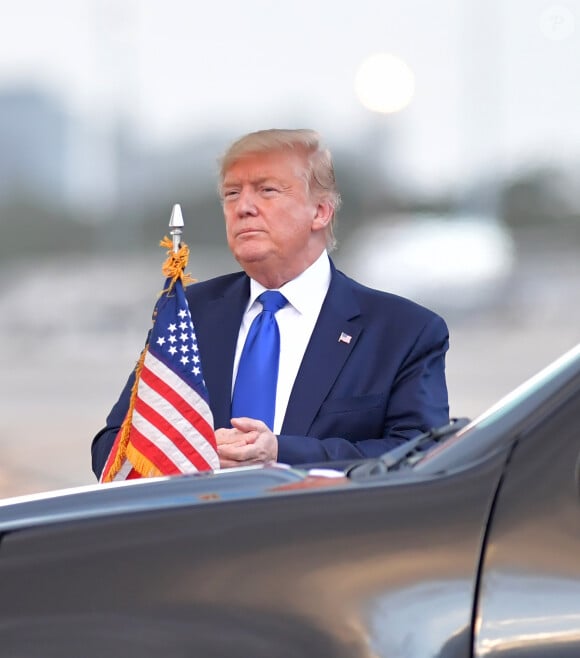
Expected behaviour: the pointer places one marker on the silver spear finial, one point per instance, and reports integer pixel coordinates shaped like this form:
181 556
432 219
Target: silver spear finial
176 224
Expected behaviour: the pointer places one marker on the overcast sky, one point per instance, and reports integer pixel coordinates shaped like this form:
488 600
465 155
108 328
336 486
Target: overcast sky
496 80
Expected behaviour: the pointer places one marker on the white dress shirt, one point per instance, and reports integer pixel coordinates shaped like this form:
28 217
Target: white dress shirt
305 295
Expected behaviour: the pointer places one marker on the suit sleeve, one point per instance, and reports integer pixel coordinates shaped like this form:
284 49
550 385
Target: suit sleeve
104 439
416 402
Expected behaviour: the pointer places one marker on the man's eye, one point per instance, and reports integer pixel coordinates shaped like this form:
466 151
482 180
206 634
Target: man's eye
269 190
230 194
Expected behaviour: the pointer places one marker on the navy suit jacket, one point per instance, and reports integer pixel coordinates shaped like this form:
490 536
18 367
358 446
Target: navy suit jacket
355 398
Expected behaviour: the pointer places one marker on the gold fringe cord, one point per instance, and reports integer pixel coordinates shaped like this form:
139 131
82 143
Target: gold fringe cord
174 266
127 422
141 464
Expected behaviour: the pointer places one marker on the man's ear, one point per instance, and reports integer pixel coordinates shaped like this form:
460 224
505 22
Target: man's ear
322 215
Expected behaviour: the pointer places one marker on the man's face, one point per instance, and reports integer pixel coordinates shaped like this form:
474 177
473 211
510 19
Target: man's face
272 223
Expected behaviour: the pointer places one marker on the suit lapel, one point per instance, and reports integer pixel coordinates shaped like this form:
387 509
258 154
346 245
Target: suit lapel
217 331
325 355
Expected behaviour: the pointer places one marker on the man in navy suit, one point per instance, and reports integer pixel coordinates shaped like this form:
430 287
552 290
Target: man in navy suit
360 371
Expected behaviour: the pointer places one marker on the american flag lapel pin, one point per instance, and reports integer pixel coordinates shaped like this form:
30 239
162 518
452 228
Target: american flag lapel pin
344 338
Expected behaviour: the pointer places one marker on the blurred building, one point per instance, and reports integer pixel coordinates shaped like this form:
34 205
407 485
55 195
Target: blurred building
34 133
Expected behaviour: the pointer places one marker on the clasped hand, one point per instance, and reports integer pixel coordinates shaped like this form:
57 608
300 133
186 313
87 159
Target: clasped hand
247 442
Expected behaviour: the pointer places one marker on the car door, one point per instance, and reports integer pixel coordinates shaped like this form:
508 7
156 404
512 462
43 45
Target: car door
529 593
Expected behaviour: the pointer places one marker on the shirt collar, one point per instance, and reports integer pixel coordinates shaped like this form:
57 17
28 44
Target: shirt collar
307 291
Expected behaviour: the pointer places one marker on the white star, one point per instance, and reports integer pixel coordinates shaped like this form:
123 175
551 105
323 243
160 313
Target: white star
183 337
184 360
196 370
183 326
194 347
195 359
184 349
172 339
161 340
182 313
172 327
172 350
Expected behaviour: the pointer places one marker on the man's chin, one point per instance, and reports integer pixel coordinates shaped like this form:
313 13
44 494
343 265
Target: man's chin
250 254
250 249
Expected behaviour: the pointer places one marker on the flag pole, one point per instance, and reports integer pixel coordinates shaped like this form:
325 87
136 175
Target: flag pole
176 225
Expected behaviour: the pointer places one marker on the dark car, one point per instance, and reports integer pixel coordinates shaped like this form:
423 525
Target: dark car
465 544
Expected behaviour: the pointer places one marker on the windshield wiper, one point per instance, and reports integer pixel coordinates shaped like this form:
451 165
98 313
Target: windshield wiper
407 453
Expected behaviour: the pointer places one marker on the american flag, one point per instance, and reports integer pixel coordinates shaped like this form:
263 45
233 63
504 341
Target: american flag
169 427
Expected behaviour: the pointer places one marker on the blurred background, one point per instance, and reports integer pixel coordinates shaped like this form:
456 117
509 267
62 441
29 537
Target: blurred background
456 134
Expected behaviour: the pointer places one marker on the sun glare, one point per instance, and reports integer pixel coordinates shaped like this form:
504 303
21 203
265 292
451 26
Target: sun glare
384 83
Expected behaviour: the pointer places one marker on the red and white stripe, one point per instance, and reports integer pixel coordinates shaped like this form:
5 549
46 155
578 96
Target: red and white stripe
172 425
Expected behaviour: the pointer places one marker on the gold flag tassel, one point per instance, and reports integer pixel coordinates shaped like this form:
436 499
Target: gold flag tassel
122 439
174 266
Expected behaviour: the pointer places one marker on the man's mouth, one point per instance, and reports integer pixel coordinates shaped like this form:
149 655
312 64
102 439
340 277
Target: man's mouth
246 232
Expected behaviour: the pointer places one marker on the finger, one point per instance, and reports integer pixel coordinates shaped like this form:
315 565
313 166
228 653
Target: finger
228 463
230 435
225 462
237 453
231 463
222 433
238 439
244 424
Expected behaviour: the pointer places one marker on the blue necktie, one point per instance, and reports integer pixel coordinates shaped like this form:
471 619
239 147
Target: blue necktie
255 388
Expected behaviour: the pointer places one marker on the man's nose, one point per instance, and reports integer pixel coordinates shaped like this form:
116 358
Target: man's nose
246 203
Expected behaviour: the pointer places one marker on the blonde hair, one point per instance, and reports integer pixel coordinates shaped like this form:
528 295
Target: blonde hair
319 171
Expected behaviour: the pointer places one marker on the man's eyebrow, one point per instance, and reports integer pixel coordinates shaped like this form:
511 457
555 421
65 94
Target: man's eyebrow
254 181
230 185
